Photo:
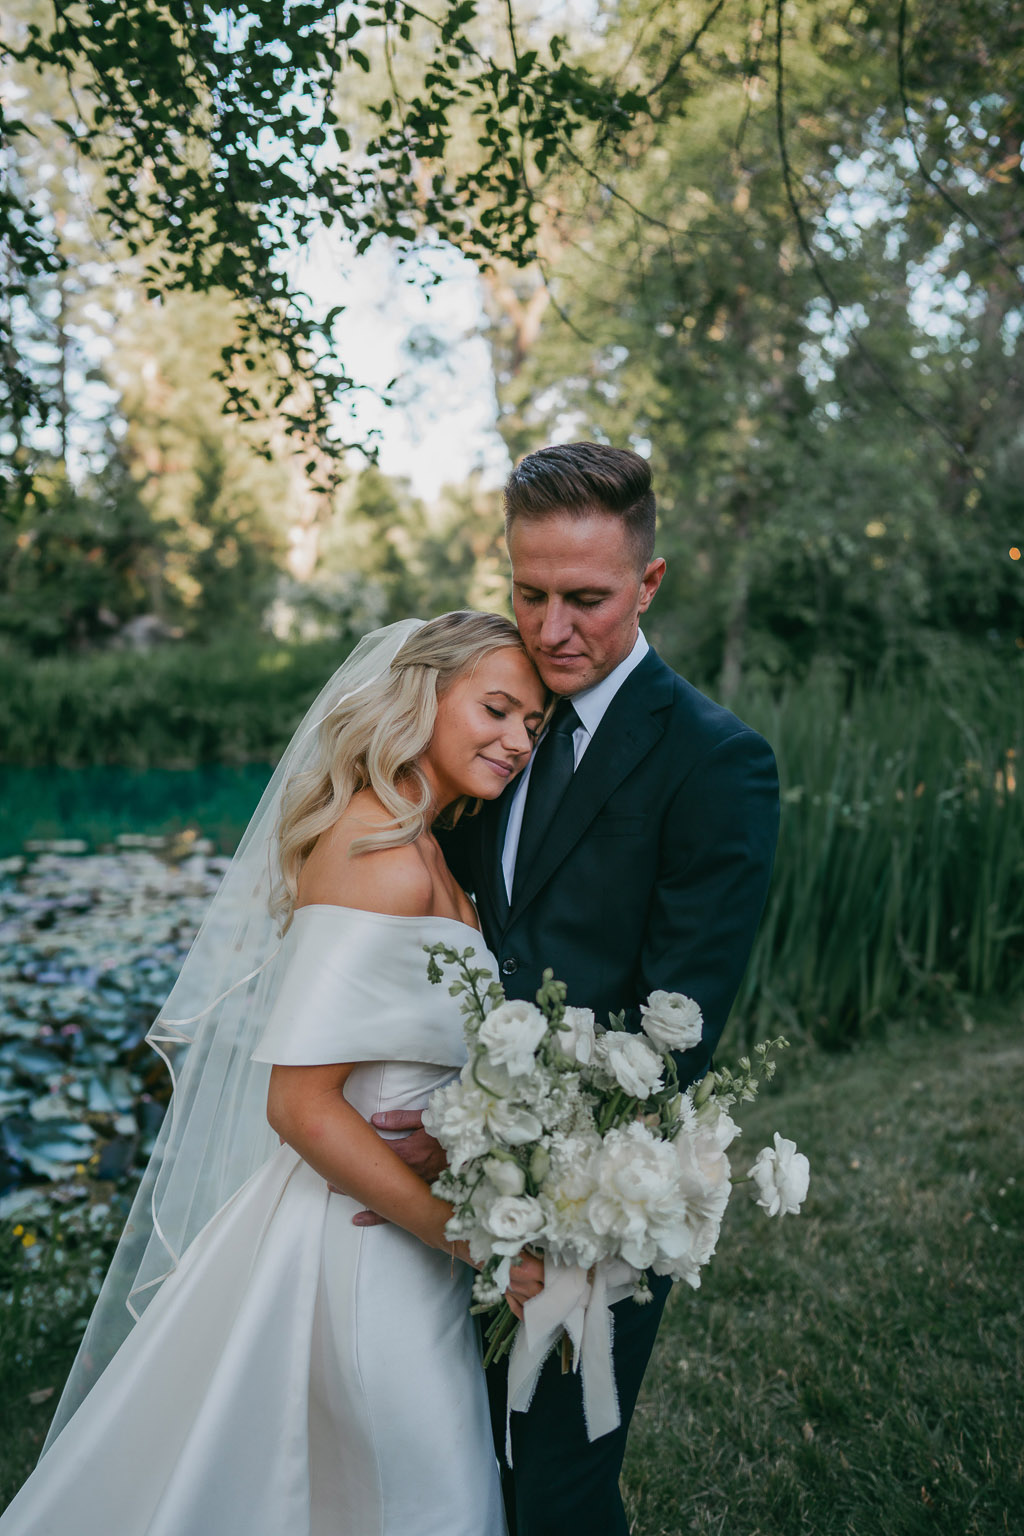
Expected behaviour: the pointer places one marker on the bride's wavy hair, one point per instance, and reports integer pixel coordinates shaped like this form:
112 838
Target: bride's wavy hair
373 739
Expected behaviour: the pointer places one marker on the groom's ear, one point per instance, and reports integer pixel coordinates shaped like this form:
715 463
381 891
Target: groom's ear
650 581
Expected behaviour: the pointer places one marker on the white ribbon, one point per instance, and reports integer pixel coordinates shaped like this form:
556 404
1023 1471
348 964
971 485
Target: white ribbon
578 1302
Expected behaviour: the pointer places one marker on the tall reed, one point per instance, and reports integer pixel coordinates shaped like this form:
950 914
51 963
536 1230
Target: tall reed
899 880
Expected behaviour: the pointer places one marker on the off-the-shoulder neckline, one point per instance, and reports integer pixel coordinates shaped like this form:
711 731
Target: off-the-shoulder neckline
387 917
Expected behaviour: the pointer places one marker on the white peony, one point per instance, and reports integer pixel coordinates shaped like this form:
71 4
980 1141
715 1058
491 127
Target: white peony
511 1033
672 1020
638 1200
782 1175
568 1185
512 1221
575 1035
631 1062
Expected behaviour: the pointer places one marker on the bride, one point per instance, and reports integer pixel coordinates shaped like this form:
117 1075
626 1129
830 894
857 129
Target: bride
258 1365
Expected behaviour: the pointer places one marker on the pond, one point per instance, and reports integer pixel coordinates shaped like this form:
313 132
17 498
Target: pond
96 805
90 944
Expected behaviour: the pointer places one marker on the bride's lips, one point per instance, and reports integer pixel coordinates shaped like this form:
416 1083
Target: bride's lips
505 769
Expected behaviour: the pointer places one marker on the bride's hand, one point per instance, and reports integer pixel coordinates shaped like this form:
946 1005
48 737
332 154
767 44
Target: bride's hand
526 1280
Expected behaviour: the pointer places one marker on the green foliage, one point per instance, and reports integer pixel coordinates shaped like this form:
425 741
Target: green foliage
72 561
813 334
235 700
224 142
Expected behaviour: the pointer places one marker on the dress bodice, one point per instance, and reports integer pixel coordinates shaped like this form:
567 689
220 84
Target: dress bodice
352 986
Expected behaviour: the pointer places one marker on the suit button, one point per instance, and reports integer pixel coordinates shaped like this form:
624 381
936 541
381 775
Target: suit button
509 966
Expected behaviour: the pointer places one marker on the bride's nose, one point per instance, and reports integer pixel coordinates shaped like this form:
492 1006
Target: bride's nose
516 737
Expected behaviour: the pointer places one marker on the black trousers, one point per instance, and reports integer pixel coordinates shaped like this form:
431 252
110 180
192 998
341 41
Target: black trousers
561 1483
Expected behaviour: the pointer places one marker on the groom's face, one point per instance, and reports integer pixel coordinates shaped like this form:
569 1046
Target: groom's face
578 595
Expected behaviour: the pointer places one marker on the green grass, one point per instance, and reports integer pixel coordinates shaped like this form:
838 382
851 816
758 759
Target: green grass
853 1371
856 1371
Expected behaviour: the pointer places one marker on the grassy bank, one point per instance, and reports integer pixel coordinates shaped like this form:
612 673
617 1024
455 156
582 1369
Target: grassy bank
856 1371
853 1372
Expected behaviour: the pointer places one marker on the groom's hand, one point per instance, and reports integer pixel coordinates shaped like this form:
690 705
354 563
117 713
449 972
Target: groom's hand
423 1154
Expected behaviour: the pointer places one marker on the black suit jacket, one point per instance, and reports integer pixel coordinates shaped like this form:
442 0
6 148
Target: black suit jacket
656 867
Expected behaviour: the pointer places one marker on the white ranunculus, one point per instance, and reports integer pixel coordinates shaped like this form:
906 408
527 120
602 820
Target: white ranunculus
717 1122
704 1179
672 1020
511 1033
507 1177
631 1062
782 1175
512 1221
575 1035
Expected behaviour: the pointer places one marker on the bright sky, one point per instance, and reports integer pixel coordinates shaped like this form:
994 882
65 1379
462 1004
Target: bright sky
442 426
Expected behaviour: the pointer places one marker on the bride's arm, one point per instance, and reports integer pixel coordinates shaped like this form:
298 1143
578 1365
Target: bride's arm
306 1108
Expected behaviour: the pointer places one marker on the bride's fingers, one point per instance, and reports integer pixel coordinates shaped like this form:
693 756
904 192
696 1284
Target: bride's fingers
516 1307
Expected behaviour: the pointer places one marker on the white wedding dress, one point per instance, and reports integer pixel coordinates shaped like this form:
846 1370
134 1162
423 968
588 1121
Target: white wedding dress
297 1375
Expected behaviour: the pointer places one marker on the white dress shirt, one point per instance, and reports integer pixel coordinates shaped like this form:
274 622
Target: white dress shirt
590 706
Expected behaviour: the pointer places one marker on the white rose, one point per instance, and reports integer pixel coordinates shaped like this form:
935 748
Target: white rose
575 1035
672 1020
512 1221
631 1062
782 1175
511 1033
507 1177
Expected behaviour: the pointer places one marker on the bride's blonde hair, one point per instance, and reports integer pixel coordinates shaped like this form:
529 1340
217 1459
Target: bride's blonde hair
373 740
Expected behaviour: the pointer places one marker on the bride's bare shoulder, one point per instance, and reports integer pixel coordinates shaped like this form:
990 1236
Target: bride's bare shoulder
393 880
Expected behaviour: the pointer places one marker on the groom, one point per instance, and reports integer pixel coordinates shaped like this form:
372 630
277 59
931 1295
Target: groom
633 853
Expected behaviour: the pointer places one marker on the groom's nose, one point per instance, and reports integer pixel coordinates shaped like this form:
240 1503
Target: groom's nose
556 625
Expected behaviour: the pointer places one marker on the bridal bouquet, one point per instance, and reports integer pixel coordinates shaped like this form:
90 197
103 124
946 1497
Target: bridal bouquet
576 1141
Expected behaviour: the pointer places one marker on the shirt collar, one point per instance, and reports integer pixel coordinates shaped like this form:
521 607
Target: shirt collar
592 703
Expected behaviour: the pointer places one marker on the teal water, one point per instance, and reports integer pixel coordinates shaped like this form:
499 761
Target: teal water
97 805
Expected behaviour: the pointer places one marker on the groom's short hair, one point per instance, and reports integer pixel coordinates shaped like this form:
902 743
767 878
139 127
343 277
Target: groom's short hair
583 478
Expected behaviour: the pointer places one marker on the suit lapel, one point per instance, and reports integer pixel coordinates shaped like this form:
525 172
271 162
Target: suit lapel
631 726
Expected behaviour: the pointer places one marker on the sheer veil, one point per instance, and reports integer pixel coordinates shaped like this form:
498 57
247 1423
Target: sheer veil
215 1133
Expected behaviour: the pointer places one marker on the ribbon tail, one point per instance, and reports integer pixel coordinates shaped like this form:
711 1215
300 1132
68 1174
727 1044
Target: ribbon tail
597 1366
560 1305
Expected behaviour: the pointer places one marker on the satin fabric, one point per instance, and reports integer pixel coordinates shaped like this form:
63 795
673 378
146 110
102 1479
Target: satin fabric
297 1374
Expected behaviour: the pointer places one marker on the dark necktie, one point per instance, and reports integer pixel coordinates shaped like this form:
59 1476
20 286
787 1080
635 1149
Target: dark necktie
550 774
